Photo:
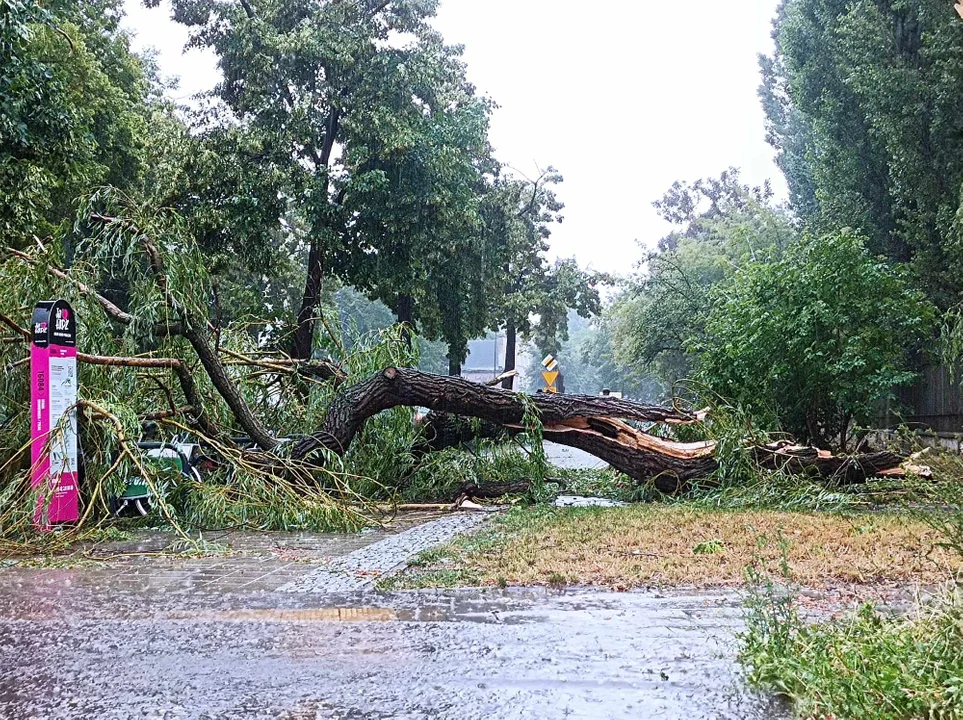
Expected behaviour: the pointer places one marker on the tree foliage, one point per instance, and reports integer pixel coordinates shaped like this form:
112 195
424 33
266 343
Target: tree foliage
817 338
863 107
721 224
358 117
529 296
74 111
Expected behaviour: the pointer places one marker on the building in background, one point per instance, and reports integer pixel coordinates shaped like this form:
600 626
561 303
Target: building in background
486 358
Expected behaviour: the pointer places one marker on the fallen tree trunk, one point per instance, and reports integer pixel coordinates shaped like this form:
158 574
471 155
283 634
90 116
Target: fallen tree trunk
396 387
672 466
593 424
639 455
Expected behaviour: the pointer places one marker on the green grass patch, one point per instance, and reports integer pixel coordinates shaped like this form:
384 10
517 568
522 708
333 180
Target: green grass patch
872 665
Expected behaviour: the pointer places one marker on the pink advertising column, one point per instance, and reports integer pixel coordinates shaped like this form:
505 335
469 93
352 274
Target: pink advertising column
53 372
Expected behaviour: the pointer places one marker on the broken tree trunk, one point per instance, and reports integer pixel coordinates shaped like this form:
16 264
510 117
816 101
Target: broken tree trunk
674 465
396 387
639 455
593 424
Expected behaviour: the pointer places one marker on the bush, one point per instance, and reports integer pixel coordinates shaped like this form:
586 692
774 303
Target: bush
817 338
872 666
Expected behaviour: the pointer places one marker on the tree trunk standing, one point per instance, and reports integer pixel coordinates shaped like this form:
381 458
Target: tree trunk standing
303 342
844 432
511 342
405 312
457 352
303 346
454 366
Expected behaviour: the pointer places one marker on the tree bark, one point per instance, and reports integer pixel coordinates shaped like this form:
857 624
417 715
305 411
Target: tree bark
511 342
593 424
303 342
405 312
395 387
454 366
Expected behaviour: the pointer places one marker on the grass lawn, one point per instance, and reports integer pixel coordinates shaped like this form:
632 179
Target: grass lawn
670 545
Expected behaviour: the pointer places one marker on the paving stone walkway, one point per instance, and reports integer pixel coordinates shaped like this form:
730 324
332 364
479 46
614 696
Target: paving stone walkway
251 562
364 567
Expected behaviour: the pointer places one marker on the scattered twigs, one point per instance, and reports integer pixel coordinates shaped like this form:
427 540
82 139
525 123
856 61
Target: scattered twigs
126 445
311 368
186 411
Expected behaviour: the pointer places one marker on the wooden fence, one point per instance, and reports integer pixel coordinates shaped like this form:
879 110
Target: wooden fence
934 402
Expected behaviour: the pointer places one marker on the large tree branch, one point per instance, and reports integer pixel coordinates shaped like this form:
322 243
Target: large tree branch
185 378
586 422
394 387
215 369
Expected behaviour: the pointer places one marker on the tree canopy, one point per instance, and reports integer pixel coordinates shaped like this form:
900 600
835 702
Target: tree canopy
862 100
817 338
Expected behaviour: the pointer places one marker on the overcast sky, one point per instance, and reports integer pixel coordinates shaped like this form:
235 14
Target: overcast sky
623 97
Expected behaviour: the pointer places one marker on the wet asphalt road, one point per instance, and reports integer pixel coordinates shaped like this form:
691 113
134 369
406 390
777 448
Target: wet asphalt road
75 650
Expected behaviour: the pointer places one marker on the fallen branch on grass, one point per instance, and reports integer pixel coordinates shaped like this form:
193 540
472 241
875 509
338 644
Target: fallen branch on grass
593 424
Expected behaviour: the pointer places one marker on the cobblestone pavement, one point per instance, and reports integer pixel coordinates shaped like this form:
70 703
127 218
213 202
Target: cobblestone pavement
253 562
365 566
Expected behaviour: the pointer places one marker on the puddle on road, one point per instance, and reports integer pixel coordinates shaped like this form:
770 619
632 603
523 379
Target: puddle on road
301 615
452 655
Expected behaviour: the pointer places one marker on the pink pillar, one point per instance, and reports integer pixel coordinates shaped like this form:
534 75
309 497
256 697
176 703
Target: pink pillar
53 415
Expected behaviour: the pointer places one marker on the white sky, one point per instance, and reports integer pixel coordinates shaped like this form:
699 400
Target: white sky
622 96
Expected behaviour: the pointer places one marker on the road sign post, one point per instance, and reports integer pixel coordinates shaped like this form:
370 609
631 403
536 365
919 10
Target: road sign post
550 374
53 413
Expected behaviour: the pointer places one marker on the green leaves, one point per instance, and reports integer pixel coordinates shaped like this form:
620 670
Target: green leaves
821 335
862 100
73 107
721 224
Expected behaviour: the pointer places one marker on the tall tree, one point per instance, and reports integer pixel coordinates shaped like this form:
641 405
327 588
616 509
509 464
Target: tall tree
863 105
529 297
721 224
74 111
363 116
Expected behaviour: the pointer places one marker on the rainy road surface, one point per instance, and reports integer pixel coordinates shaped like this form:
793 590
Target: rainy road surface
76 648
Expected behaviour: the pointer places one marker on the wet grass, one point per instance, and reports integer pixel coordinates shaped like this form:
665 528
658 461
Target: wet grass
872 664
672 545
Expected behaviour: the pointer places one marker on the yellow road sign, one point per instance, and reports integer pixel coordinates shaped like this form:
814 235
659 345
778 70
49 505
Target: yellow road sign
550 377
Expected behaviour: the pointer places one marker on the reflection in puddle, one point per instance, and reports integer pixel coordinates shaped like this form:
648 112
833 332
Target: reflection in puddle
361 614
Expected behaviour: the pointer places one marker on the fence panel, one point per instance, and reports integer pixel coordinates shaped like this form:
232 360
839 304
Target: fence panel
934 402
